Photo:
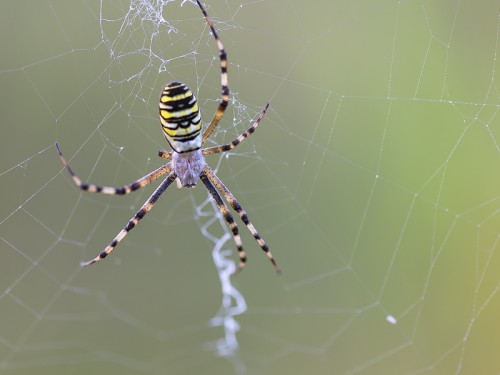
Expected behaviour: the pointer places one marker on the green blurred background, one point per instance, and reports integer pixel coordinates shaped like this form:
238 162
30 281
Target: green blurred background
374 177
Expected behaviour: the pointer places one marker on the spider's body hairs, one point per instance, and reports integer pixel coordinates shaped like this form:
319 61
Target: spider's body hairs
188 167
181 124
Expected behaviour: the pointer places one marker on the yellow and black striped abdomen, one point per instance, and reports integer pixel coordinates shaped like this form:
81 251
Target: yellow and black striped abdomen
180 118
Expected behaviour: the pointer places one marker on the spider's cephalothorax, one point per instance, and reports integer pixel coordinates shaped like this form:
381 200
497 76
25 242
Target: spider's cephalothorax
180 118
181 124
188 167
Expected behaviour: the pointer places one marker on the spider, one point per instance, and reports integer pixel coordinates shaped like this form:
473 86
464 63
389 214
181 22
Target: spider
181 124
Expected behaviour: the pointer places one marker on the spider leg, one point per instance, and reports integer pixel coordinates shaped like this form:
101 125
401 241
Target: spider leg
237 141
146 207
223 78
126 189
228 217
165 154
216 181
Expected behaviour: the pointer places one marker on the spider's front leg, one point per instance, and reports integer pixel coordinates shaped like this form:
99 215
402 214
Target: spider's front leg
146 207
210 178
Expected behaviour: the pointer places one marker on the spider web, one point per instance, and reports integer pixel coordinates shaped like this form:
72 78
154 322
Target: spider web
374 178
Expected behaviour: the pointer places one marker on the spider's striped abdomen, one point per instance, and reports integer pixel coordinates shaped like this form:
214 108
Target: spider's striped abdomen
180 118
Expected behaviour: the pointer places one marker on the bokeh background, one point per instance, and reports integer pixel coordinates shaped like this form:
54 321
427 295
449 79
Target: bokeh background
374 177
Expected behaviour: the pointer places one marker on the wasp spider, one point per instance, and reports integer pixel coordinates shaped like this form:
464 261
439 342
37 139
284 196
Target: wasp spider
181 124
